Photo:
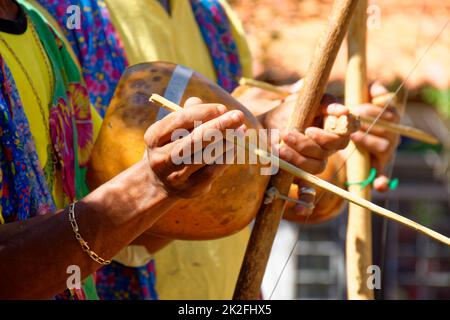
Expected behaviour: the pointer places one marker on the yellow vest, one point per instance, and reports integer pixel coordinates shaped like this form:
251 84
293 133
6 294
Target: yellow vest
185 269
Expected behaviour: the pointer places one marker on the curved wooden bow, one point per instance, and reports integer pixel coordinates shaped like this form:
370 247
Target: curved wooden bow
359 226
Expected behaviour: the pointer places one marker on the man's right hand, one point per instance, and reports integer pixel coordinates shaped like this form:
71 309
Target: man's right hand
187 180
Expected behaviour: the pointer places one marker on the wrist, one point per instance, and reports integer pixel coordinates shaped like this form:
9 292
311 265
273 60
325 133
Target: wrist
133 195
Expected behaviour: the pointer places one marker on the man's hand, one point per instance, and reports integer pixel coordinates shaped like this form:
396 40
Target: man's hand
309 150
380 143
187 180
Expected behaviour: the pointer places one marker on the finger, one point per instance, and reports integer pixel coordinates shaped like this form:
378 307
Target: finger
303 145
335 109
311 165
328 141
390 114
161 131
201 181
379 148
169 160
305 197
218 152
192 101
208 132
295 87
187 158
379 131
381 183
377 89
327 99
378 145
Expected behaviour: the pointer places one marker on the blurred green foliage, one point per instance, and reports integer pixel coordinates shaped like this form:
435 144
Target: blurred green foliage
439 98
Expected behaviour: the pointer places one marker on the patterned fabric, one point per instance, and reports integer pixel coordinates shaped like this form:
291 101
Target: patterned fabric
216 31
96 45
24 187
101 53
118 282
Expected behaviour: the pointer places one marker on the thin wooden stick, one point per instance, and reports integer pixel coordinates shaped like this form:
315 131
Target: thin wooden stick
359 226
403 130
165 103
297 172
248 286
264 86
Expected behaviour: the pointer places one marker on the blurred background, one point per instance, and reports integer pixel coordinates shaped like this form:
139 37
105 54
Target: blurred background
282 36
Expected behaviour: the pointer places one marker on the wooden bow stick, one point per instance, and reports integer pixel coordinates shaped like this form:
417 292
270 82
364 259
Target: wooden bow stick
299 173
248 286
381 100
359 226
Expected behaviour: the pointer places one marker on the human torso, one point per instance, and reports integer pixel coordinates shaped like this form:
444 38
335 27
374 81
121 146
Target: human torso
186 269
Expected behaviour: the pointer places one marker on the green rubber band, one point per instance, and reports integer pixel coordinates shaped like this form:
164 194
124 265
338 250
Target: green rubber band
393 184
365 183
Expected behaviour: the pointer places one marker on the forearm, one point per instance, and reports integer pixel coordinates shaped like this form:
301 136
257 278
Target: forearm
152 242
35 254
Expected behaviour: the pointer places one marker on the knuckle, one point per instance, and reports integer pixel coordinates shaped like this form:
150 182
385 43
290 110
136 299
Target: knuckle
213 110
317 166
177 178
286 154
219 124
155 161
321 166
389 116
383 147
181 118
150 139
343 142
219 108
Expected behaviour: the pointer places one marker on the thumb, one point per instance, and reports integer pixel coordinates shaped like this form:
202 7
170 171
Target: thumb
295 87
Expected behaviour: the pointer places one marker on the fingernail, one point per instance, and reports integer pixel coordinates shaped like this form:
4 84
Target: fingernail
241 130
286 154
221 108
236 116
276 147
289 139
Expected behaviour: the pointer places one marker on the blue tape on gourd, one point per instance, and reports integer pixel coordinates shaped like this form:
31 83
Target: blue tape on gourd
176 87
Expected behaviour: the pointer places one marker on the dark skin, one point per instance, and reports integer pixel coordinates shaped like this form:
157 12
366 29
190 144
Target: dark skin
8 10
380 144
309 151
40 249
